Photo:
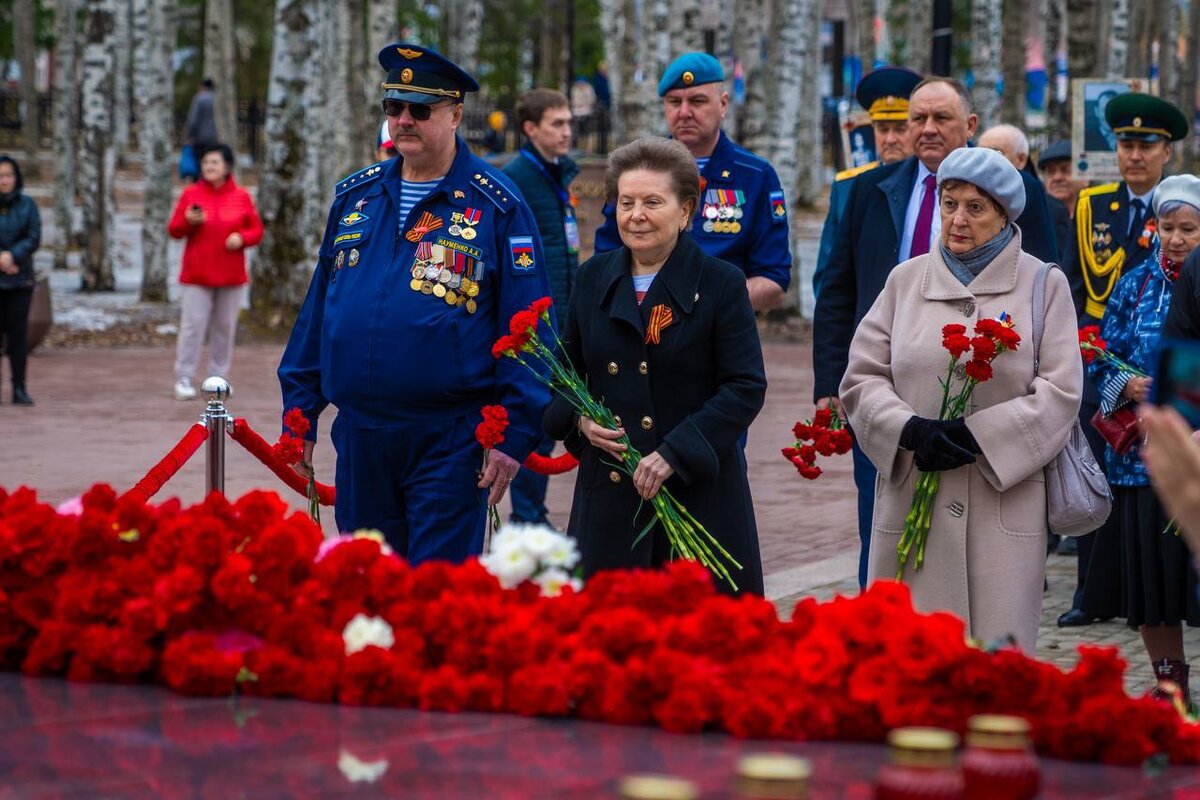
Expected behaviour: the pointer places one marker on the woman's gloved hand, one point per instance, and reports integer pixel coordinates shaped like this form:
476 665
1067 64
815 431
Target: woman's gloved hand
938 444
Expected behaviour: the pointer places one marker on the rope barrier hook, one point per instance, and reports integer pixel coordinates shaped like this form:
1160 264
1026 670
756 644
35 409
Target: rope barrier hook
218 421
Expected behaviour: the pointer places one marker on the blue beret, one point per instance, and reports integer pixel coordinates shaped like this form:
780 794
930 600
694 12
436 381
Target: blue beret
884 92
417 74
690 69
1146 118
988 171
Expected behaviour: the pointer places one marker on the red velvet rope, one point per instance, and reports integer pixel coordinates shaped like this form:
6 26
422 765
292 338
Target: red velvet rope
244 435
165 469
547 465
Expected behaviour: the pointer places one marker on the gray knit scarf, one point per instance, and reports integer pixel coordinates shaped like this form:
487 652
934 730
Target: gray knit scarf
968 266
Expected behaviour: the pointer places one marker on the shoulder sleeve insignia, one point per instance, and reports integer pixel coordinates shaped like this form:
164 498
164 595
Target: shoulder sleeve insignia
358 179
521 248
778 207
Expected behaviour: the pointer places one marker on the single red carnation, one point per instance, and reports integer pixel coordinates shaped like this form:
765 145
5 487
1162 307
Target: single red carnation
1008 337
956 345
822 418
523 323
802 431
953 329
809 471
979 371
988 327
984 348
504 346
541 306
824 444
295 421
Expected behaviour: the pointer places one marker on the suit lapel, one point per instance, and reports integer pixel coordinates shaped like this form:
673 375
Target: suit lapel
617 291
897 187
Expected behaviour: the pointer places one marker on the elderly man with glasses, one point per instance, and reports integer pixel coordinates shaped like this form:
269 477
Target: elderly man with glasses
425 259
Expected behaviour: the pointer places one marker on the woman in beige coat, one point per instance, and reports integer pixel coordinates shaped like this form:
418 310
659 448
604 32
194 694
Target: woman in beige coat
986 553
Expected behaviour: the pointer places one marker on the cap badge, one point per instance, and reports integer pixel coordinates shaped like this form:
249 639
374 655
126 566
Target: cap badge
688 78
408 52
1137 122
891 100
406 75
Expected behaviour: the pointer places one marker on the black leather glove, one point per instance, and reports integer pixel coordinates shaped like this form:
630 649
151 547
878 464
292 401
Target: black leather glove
939 445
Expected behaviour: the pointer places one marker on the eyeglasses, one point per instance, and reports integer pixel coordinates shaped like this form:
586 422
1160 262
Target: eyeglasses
419 111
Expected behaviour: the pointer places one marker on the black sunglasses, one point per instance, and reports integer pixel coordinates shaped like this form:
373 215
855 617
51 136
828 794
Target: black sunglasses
419 111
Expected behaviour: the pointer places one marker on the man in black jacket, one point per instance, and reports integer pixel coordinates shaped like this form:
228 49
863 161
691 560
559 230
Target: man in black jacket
543 173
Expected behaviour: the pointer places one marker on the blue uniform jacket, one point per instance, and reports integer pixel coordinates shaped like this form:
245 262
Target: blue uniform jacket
738 180
868 248
385 353
1132 326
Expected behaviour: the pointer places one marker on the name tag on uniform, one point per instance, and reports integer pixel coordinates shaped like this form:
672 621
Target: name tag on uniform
571 229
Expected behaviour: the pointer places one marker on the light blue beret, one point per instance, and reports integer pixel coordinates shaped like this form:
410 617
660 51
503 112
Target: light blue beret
690 69
990 172
1177 189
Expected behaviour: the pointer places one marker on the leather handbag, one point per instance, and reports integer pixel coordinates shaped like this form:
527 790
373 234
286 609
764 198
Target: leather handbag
1078 499
1119 429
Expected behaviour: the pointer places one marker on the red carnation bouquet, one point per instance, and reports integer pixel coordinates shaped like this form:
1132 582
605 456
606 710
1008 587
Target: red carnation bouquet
687 536
992 337
1093 348
825 434
290 450
489 433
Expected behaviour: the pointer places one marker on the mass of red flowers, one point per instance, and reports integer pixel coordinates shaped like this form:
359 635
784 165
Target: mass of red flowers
490 431
228 596
290 447
825 434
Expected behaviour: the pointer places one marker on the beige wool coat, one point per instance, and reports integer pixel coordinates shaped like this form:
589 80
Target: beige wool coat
986 554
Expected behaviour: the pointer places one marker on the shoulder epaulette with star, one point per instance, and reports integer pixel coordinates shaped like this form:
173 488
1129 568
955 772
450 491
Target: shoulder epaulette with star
493 189
356 179
846 174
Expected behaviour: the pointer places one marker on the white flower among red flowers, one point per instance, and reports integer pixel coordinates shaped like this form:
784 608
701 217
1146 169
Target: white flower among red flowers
536 553
363 631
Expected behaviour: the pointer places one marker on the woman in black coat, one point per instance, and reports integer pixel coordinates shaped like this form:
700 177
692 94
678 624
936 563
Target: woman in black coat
20 235
685 390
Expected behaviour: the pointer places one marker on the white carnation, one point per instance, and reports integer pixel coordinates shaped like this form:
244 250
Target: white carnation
552 580
356 770
363 631
563 552
510 562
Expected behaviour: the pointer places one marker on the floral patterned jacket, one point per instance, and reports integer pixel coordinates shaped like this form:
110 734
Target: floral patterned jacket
1132 327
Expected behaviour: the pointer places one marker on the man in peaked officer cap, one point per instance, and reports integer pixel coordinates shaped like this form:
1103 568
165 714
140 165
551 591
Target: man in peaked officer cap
742 217
884 94
1114 232
425 259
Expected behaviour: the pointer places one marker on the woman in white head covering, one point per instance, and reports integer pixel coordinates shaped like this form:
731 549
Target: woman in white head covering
985 556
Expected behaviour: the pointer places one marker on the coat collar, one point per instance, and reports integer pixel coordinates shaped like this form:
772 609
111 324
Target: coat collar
998 277
720 161
679 276
897 187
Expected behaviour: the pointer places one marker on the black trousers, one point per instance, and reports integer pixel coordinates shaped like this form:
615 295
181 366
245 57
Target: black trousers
14 324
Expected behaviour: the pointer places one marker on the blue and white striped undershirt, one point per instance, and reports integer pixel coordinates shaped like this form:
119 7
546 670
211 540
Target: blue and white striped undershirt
701 163
413 192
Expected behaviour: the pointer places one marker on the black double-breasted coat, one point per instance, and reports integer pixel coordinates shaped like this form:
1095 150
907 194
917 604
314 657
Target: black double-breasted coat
690 397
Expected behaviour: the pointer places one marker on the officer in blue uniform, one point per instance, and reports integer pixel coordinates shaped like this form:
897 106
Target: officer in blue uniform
884 94
742 214
425 259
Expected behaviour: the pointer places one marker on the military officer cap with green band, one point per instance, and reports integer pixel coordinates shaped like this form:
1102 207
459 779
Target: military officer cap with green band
690 69
1145 118
417 74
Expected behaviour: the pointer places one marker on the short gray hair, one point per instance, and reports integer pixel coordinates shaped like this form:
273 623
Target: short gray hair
1016 136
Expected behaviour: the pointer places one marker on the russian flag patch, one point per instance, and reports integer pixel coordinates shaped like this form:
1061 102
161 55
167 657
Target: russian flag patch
778 209
521 248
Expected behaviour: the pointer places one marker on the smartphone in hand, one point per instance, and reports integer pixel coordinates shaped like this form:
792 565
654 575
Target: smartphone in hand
1177 378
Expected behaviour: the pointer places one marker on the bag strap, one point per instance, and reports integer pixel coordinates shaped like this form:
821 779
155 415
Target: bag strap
1039 315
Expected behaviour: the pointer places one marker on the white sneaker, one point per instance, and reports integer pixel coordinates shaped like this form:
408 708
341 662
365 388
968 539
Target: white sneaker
184 390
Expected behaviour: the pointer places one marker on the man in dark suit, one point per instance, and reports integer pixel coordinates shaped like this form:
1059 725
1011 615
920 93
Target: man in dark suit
1114 232
891 216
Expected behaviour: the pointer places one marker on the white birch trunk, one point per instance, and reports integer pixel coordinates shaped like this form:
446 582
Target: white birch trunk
464 28
613 24
340 110
66 125
154 38
381 23
290 199
918 34
122 51
1015 25
220 64
685 26
633 67
1057 112
97 162
1083 25
750 33
985 59
23 24
1118 37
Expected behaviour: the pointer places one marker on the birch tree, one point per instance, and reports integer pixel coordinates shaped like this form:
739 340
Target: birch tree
985 59
220 64
66 125
290 199
24 15
1012 59
379 19
97 160
686 25
918 34
122 73
1058 112
1117 37
154 44
750 31
631 74
1083 39
464 26
1188 83
339 110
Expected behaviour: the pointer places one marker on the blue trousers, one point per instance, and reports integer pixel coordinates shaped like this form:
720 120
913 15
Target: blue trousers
528 490
417 483
864 481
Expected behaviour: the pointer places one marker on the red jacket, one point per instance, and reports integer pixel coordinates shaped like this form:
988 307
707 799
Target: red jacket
205 260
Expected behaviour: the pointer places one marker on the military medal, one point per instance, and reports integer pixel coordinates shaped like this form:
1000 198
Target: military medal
451 298
439 290
354 257
470 218
339 259
445 276
471 306
468 234
418 272
455 230
431 272
710 212
426 287
473 289
707 226
735 227
415 284
455 281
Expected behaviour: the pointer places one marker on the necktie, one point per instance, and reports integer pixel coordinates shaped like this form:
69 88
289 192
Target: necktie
1139 219
920 240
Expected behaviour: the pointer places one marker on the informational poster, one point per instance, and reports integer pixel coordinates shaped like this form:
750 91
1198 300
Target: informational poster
858 137
1093 143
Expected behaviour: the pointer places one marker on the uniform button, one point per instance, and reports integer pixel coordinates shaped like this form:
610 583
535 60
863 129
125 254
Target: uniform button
613 369
957 509
968 309
617 419
643 368
614 476
647 423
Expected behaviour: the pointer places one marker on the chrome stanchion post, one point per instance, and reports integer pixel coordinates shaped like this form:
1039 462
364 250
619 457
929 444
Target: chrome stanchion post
217 419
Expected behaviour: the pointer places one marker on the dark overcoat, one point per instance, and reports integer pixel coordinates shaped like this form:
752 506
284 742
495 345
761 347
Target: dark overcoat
691 398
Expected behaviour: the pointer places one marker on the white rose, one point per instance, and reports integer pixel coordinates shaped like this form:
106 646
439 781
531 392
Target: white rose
356 770
363 631
563 552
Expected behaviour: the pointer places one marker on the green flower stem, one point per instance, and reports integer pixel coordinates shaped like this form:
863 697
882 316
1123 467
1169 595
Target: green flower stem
1116 361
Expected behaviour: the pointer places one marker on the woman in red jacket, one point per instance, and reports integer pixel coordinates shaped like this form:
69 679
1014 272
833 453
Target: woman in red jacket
219 221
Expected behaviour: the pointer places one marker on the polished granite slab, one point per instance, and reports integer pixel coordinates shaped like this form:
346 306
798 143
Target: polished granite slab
70 740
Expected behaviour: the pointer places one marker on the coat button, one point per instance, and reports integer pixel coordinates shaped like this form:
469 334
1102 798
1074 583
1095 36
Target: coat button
612 368
643 368
960 371
614 476
968 309
647 423
957 509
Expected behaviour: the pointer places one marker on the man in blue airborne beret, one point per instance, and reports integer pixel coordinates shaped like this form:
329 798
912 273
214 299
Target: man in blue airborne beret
425 259
884 94
742 217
